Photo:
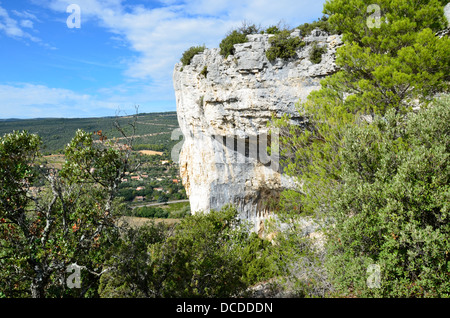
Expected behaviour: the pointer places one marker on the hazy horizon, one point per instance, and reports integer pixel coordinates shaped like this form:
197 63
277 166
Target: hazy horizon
90 117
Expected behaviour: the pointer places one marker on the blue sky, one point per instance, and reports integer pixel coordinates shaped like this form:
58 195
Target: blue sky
122 55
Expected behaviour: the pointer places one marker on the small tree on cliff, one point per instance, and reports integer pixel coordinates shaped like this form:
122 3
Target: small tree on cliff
71 220
237 36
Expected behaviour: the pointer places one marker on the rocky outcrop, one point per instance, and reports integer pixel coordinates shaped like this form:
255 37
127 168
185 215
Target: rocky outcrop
224 106
445 32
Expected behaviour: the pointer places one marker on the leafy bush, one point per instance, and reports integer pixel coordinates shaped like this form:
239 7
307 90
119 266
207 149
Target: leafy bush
283 46
393 208
272 30
151 212
205 255
227 44
130 274
71 220
235 37
301 259
388 200
315 55
179 210
161 214
321 23
127 194
204 71
190 53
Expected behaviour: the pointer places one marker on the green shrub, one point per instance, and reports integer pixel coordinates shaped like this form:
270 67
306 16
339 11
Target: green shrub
161 214
151 212
204 71
316 53
393 207
235 37
189 54
283 46
227 44
205 255
272 30
322 24
179 213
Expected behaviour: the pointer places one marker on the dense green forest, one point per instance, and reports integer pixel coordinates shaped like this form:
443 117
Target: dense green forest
152 130
149 131
373 165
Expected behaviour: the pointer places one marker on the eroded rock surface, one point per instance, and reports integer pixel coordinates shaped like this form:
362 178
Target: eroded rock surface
224 106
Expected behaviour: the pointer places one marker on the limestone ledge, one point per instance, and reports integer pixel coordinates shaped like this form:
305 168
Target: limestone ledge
232 106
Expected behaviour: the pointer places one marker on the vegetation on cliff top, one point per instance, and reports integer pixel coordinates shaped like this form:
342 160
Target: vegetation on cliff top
322 24
283 46
237 36
190 53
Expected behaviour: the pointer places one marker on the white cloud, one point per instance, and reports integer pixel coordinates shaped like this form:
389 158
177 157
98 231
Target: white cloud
26 24
159 35
156 35
13 28
34 100
25 15
41 101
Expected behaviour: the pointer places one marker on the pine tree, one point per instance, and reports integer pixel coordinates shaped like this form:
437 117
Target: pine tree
391 59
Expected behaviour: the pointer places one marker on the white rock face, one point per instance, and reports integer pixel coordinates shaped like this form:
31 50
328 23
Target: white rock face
447 13
224 115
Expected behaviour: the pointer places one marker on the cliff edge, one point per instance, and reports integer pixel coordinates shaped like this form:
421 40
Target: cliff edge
224 106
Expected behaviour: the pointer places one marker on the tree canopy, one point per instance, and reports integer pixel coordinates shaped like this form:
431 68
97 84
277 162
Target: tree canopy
364 161
69 220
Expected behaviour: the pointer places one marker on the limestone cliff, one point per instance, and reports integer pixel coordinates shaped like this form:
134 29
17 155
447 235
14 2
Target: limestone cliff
223 108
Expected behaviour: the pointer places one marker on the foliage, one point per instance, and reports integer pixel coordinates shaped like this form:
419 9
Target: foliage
236 36
316 53
385 70
322 24
206 255
259 259
227 44
190 53
204 71
56 133
301 258
177 210
283 46
130 275
391 67
69 220
393 207
150 212
272 30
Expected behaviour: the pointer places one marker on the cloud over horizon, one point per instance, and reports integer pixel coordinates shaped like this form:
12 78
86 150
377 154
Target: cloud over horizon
156 33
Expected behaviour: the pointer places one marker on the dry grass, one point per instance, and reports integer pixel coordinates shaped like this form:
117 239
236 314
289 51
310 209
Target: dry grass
55 161
136 221
151 152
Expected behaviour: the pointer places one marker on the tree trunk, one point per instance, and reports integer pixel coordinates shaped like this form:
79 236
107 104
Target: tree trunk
38 285
37 289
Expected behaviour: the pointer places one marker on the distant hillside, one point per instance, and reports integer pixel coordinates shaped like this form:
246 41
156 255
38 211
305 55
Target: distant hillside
154 129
